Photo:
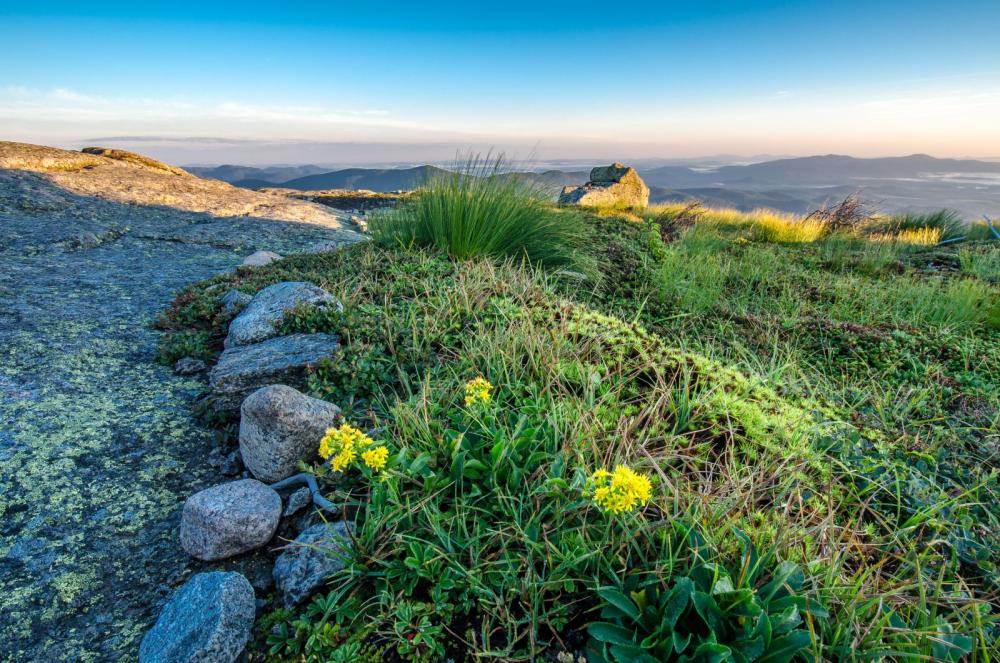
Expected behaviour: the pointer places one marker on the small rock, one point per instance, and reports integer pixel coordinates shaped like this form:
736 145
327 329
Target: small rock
360 223
279 427
261 317
235 301
208 620
307 562
283 360
260 258
616 184
297 501
189 366
232 465
321 247
229 519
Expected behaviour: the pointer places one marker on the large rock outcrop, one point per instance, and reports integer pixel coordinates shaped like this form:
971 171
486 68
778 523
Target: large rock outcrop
265 312
229 519
282 360
279 428
616 184
208 620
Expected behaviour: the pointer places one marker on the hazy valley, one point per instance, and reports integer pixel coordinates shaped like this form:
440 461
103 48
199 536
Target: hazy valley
916 183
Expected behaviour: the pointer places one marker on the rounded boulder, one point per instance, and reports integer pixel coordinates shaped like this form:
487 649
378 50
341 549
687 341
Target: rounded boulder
229 519
280 427
208 620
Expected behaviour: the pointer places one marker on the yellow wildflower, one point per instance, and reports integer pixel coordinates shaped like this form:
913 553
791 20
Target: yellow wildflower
375 458
342 445
340 462
621 490
477 391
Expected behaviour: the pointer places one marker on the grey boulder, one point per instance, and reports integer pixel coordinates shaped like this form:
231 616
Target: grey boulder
234 301
260 258
316 554
229 519
282 360
280 427
262 316
208 620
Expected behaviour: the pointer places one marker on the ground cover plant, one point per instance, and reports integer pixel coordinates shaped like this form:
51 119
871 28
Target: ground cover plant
744 437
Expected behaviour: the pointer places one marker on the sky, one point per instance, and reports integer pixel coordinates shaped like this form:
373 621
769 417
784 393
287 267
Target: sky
294 82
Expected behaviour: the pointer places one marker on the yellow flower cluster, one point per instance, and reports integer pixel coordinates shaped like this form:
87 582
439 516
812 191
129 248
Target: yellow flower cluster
342 446
477 391
620 491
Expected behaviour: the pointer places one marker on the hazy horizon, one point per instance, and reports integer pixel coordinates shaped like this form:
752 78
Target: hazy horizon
262 83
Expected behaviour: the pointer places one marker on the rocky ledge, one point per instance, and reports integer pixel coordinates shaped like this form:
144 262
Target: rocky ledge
98 445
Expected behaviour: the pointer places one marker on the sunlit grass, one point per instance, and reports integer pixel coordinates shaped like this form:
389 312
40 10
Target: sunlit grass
476 211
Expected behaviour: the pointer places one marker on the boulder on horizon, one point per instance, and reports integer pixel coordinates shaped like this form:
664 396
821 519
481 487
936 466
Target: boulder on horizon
616 184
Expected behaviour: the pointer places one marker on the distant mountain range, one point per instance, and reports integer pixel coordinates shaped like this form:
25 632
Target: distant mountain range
911 183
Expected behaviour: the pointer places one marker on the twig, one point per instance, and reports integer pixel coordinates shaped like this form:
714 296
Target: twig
310 481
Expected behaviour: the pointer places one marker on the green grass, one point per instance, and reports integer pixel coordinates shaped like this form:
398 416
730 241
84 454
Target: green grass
476 211
819 404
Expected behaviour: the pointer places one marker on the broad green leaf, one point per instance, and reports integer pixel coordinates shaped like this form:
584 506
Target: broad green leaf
677 601
783 649
681 642
786 620
611 633
709 611
948 645
712 652
626 654
750 648
620 601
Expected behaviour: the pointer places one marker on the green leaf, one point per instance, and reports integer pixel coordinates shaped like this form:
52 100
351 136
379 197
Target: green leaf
611 633
787 577
786 620
763 629
619 601
711 652
681 642
948 645
627 654
677 601
750 648
803 603
709 611
784 649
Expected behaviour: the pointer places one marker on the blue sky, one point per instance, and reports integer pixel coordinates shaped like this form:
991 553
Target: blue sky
560 79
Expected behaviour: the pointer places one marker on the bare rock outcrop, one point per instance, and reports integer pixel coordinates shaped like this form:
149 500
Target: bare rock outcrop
616 184
125 177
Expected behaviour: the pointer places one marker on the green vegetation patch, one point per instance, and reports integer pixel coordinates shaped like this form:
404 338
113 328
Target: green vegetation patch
739 442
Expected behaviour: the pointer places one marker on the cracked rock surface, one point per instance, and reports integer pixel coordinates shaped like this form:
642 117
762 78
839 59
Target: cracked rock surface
98 449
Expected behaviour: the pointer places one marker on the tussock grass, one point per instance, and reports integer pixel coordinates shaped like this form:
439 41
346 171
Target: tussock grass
477 211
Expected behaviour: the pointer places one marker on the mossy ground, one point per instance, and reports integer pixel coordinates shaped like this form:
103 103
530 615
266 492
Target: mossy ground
833 397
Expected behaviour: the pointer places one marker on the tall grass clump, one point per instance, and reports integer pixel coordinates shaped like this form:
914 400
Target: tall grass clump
480 209
945 224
